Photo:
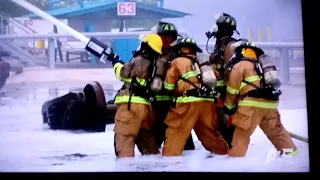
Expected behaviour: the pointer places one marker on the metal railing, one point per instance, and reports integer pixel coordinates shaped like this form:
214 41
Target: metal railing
282 47
29 45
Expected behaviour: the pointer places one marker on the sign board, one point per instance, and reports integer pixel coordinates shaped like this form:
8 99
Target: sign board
126 9
28 22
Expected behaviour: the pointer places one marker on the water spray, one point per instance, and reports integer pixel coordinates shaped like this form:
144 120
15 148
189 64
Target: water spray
53 20
93 45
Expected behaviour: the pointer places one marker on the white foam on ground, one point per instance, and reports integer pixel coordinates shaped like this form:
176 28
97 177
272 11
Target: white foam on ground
28 145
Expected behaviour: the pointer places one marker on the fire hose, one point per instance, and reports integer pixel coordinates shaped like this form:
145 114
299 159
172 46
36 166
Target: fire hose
93 45
301 138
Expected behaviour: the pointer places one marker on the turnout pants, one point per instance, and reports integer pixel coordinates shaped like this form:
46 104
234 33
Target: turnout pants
200 116
127 126
160 110
247 119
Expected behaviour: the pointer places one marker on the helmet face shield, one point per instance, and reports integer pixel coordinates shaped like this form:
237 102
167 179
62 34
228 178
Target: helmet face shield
176 42
226 21
155 28
235 45
218 18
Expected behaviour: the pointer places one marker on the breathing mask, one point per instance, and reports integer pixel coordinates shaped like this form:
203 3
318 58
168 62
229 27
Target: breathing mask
223 21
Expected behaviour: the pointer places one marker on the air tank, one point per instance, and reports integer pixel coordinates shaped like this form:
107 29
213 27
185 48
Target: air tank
207 74
270 71
160 73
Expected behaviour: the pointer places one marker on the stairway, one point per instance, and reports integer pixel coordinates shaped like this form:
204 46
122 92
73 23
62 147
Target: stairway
21 49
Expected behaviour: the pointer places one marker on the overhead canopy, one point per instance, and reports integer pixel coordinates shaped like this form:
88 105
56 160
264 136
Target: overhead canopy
108 9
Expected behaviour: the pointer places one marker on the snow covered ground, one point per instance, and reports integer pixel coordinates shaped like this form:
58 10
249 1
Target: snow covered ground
28 145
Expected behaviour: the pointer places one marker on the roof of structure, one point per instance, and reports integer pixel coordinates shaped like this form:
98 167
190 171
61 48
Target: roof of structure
110 7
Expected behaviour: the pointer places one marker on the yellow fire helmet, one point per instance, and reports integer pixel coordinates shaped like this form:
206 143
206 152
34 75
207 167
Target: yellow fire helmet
248 49
154 41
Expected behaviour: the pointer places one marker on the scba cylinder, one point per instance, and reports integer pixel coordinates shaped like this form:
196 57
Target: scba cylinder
161 69
270 71
156 84
207 74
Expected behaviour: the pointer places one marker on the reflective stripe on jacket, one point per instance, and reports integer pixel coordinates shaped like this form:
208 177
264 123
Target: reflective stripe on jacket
134 99
179 68
244 70
137 68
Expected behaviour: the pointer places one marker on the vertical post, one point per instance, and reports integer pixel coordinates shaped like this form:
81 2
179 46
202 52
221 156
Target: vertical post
284 65
59 45
259 34
51 53
121 28
9 29
90 28
269 39
50 5
249 34
1 25
161 3
80 3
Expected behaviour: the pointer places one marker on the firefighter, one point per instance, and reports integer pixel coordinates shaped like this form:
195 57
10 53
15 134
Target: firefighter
168 33
134 107
252 96
194 108
222 31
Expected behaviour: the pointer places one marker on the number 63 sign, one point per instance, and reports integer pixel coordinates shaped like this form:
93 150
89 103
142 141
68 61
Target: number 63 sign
126 8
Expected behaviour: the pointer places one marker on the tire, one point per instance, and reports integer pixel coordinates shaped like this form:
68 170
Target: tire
95 95
55 114
74 115
96 107
53 111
